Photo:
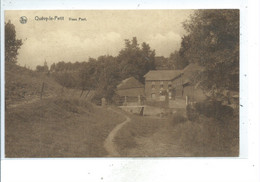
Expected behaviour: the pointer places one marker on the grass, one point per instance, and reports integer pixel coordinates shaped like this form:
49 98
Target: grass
69 126
58 127
208 137
24 84
177 136
138 127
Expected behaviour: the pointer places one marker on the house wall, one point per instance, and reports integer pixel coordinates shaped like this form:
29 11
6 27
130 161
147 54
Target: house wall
195 94
149 89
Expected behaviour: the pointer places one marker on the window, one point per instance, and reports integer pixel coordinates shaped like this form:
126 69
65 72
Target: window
169 85
153 85
161 84
153 96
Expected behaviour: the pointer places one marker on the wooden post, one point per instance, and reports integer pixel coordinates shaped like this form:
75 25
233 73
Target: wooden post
139 99
187 100
42 89
125 102
142 111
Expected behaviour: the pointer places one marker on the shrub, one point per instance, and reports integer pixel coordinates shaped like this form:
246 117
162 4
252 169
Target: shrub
96 99
191 113
72 104
178 118
214 109
67 105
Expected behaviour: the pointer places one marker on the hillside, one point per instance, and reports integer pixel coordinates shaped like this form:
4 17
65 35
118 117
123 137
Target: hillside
61 124
58 127
24 85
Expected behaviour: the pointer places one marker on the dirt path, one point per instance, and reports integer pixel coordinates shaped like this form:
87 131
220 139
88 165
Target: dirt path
109 144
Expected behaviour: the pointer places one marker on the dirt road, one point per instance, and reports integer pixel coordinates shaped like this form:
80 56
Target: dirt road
109 144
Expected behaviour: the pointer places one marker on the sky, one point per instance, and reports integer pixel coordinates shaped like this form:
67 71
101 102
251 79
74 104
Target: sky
53 36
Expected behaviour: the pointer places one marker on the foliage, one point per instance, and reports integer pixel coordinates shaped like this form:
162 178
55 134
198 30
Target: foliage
65 79
43 68
12 45
214 109
178 118
106 72
213 42
162 63
208 137
136 61
191 113
178 61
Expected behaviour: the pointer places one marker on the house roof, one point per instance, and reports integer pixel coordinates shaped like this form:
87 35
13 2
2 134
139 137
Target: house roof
190 71
128 83
192 67
162 74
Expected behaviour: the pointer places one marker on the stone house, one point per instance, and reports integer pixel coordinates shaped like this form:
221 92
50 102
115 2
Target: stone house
174 85
160 83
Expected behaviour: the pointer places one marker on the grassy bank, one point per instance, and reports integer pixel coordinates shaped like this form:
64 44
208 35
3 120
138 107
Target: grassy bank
22 84
58 127
177 136
207 137
139 127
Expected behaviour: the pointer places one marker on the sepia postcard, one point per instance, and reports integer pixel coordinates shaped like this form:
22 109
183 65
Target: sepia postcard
122 83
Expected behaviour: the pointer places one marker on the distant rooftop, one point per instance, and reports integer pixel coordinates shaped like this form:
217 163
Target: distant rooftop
128 83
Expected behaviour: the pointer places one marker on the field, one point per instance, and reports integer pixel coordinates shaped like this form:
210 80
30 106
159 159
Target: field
24 85
178 137
61 124
58 127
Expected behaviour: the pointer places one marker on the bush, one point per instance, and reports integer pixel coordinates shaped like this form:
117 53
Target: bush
178 118
208 137
96 99
72 105
67 105
214 109
191 113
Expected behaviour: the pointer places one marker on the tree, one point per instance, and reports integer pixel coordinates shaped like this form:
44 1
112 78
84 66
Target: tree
178 61
162 63
88 76
213 42
45 66
39 68
53 67
101 74
12 45
135 61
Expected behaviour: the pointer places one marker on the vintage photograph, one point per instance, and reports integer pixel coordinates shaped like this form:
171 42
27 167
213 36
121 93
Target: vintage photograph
121 83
